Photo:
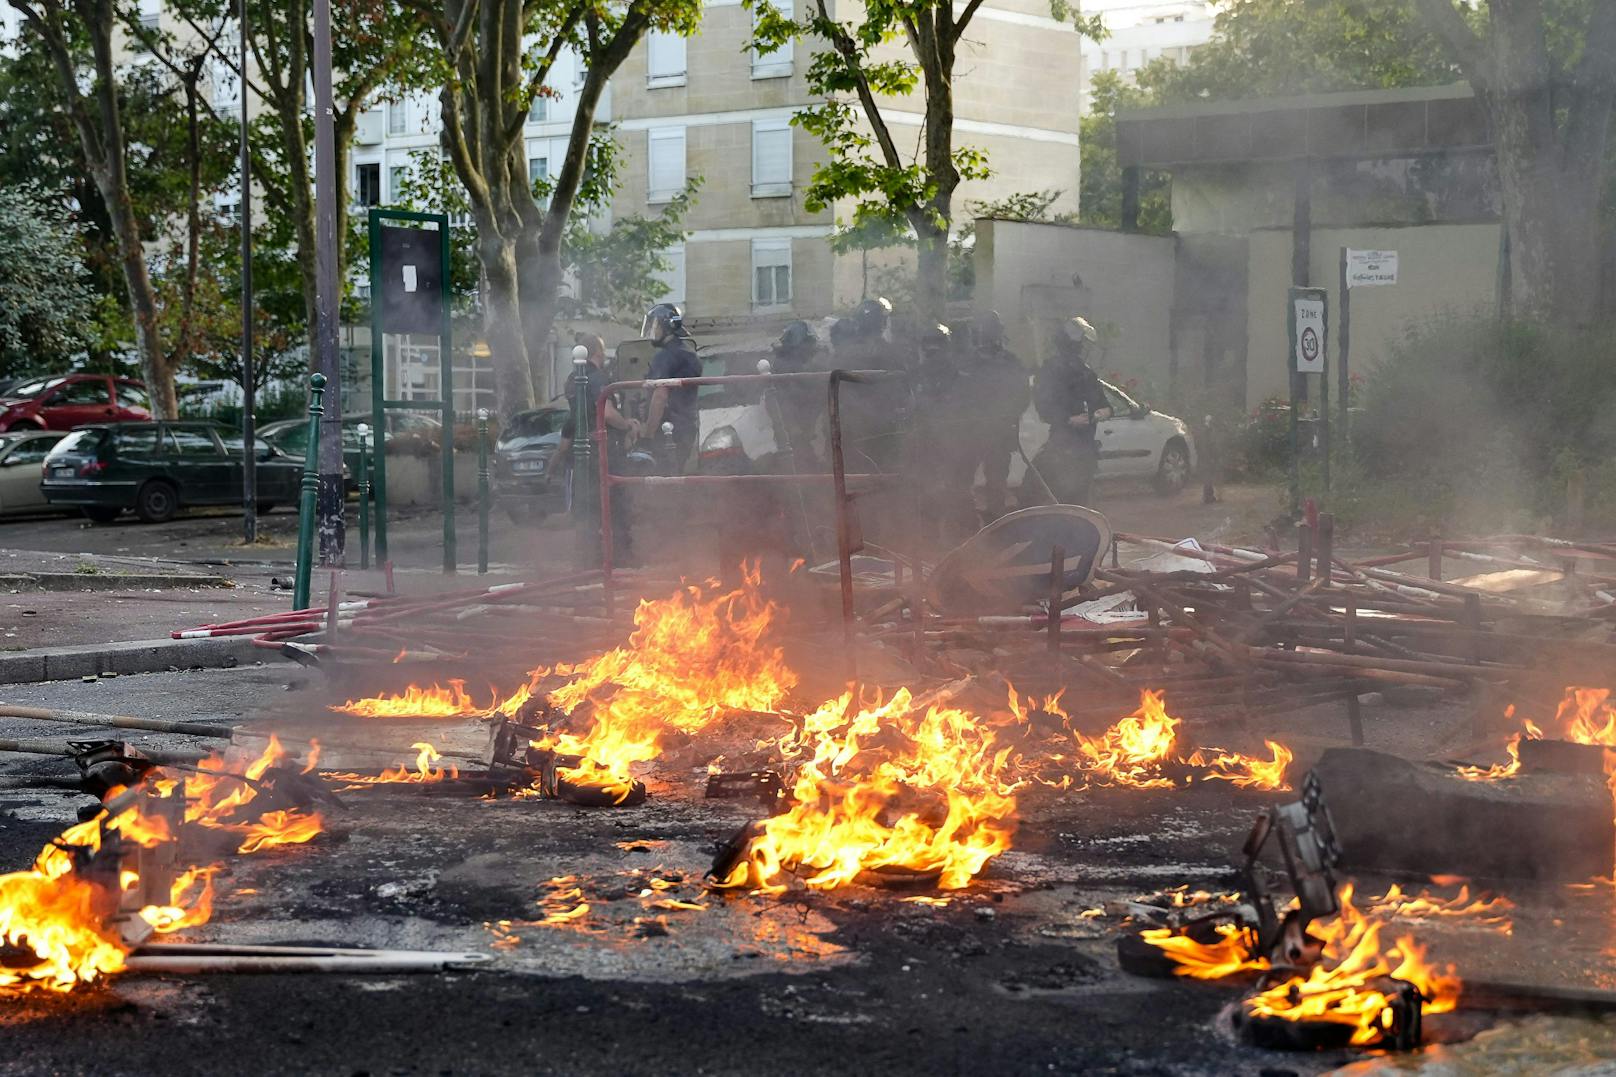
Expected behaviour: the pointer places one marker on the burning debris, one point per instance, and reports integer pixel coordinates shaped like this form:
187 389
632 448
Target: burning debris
415 702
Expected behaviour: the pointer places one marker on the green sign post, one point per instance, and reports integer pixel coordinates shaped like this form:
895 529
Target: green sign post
409 293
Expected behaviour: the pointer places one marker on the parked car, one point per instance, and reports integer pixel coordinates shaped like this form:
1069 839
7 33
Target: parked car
73 400
1137 442
404 429
21 456
158 468
523 455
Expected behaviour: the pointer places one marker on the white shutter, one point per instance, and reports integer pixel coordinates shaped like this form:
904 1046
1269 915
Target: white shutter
776 64
771 158
664 59
665 171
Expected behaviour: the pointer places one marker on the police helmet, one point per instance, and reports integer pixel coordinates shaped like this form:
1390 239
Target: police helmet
936 339
872 316
666 315
988 329
798 336
1076 335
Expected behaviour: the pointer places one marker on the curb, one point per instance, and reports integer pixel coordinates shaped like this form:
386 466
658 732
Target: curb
134 656
110 581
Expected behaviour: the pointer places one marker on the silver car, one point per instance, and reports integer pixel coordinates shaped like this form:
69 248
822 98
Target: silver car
22 455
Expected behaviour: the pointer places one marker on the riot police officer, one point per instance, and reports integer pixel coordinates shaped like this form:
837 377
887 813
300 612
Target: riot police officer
1069 397
800 403
675 358
874 416
999 386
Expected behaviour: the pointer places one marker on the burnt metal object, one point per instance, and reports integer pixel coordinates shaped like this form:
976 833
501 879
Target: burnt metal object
1400 1024
733 851
105 765
512 756
1562 757
766 786
1305 835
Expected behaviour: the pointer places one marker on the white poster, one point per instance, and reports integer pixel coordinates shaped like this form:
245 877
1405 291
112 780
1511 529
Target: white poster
1309 315
1368 269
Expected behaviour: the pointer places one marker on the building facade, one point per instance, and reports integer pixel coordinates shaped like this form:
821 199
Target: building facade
708 107
1139 31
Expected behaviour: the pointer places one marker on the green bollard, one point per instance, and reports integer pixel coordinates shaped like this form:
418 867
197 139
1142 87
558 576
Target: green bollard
483 495
309 493
364 495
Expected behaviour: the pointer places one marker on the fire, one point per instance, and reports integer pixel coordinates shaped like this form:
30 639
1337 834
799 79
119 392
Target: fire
1341 988
55 933
416 702
1584 716
220 791
190 904
1489 912
427 771
1131 752
885 787
1498 771
1233 952
1134 751
692 658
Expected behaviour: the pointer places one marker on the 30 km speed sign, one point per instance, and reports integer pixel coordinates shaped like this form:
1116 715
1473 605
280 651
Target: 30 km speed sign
1307 330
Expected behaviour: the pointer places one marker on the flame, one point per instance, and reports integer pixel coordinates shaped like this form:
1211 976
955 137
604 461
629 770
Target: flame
279 828
1340 989
1246 771
190 903
1489 912
1130 752
57 926
1233 952
885 787
692 658
222 789
416 702
1498 771
1584 716
426 771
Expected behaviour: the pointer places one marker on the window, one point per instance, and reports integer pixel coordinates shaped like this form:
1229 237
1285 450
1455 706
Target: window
395 117
771 158
538 176
673 278
368 183
395 182
132 396
1122 64
539 110
664 59
191 442
771 272
665 170
226 86
776 64
137 441
80 394
151 13
31 451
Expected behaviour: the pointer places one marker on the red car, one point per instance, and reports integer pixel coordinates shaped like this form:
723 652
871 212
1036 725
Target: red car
70 400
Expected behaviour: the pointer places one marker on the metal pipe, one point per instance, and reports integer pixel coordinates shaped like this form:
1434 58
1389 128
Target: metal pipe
249 439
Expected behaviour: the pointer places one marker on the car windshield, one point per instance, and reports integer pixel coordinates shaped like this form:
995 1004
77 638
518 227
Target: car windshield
532 424
85 440
35 387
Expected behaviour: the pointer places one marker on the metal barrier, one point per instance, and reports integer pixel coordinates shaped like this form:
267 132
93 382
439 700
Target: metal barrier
838 476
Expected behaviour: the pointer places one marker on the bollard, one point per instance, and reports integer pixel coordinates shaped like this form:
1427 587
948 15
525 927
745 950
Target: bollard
585 502
309 493
363 430
482 491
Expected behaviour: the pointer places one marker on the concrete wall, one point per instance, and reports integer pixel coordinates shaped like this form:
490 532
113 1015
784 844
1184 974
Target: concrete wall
1025 272
1443 269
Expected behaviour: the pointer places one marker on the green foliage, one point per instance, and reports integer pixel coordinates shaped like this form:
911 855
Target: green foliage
1100 198
45 302
1276 47
1467 411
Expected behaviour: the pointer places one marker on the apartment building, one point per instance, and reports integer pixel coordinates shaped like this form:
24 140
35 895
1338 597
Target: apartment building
1140 31
705 106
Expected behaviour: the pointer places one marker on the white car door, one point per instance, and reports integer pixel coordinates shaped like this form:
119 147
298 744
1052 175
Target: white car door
1129 442
19 474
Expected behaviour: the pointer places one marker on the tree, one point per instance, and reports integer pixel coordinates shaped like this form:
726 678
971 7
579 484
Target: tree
1545 70
1100 198
894 192
79 38
45 303
490 78
374 50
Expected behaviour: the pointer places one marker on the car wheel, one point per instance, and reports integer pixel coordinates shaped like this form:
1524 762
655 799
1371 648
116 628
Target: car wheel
1174 470
101 514
157 502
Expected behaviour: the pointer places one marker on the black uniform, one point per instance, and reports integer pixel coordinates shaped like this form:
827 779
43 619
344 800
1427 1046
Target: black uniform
1070 458
676 358
999 388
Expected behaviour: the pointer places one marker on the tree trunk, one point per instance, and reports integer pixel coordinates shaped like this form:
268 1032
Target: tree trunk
142 305
502 321
931 275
